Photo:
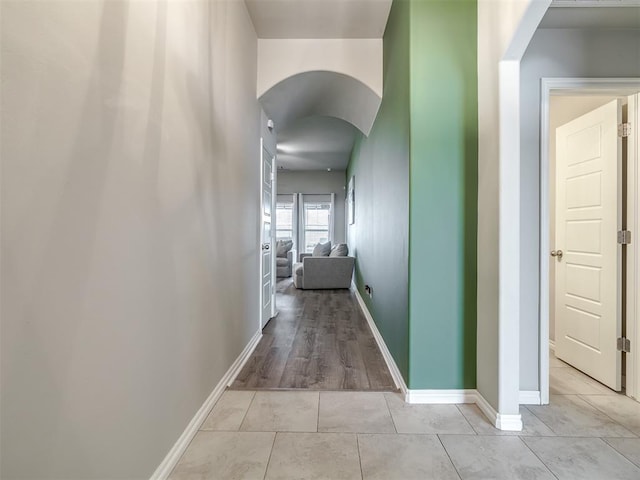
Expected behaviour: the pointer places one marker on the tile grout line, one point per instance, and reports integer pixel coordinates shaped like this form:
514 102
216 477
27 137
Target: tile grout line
580 396
616 451
244 417
448 456
541 421
606 415
524 439
359 455
535 455
197 432
604 439
270 455
318 415
390 413
466 419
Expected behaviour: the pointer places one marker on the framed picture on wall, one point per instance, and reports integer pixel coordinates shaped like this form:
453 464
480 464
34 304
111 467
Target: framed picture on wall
351 201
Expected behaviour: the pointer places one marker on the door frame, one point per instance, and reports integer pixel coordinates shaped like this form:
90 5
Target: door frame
584 87
263 147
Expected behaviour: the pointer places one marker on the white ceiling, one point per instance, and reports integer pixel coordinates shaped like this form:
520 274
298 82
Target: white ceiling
316 143
319 18
592 17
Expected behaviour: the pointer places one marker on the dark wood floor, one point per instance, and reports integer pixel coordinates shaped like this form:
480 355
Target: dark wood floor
320 340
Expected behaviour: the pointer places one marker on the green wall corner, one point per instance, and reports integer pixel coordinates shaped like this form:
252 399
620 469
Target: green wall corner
380 164
443 195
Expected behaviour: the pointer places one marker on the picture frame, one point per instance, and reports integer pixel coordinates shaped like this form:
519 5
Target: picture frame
351 200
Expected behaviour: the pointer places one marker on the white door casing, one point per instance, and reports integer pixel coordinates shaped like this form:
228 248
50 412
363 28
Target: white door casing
632 384
588 217
267 270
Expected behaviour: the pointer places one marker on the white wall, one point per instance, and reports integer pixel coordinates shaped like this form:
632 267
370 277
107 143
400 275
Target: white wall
562 109
497 22
130 174
555 53
281 58
339 78
318 182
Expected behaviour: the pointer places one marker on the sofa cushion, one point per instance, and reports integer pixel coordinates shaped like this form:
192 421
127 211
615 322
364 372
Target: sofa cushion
322 249
282 262
283 247
339 250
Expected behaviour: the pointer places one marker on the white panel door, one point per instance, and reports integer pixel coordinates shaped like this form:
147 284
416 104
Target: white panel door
588 269
266 247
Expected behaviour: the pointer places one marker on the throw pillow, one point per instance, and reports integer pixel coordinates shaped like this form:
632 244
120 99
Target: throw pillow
283 247
339 250
322 249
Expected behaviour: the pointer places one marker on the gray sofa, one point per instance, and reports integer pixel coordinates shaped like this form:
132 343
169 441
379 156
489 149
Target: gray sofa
284 258
323 272
284 265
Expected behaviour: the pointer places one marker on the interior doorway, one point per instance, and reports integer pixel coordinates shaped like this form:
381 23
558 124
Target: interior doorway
267 236
588 279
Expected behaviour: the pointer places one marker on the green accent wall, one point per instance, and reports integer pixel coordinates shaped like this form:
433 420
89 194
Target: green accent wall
380 163
416 195
443 195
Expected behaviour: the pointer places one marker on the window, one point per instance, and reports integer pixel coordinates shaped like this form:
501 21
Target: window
307 219
317 218
284 221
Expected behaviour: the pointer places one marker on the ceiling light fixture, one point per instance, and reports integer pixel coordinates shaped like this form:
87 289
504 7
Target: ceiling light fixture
284 148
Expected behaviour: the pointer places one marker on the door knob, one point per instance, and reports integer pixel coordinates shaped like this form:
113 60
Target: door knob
266 246
557 253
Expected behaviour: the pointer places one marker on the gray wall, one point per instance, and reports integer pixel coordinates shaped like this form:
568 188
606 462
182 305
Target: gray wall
555 53
290 181
130 209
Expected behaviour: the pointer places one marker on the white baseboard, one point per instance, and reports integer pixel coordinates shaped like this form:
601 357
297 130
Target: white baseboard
441 396
168 464
552 345
486 408
530 397
386 354
502 422
511 423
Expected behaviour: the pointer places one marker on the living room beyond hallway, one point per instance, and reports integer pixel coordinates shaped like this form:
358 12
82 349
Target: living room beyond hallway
319 340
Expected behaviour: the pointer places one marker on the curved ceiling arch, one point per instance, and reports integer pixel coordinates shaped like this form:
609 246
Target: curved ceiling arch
321 93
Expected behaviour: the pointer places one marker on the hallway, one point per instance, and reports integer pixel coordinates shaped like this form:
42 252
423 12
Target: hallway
319 340
140 147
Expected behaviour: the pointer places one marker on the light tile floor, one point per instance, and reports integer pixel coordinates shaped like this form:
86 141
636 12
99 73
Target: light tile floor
587 432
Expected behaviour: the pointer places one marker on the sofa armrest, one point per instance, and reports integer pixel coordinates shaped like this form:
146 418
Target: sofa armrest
305 255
